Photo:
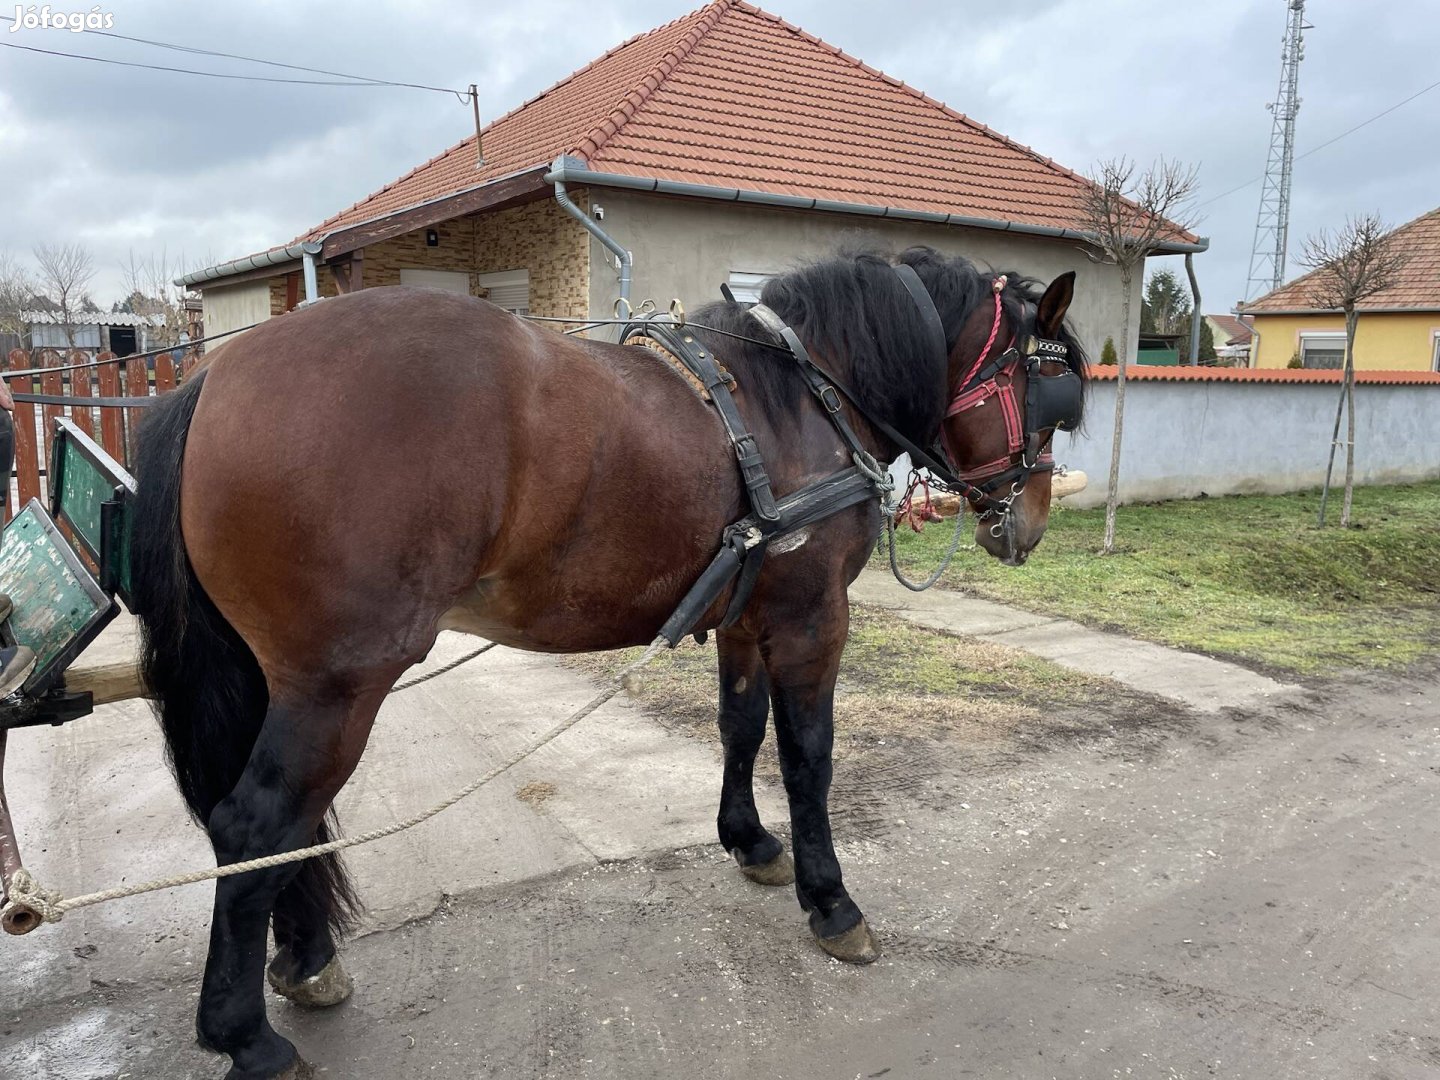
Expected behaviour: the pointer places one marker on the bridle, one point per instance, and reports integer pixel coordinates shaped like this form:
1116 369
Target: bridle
1052 402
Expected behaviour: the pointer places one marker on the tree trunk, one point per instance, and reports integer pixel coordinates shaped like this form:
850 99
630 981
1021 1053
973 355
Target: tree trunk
1330 465
1350 320
1112 493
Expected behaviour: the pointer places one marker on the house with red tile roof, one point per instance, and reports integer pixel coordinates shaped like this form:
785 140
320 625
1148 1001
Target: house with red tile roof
1398 328
723 147
1232 339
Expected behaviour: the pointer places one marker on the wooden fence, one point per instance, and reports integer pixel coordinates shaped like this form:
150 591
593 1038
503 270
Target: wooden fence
112 426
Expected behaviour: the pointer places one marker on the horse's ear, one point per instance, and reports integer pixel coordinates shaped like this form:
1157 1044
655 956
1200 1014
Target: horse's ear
1054 304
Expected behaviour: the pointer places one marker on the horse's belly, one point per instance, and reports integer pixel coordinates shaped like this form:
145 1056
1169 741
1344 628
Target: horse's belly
606 612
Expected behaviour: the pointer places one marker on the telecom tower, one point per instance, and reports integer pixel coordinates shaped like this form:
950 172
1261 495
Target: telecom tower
1272 224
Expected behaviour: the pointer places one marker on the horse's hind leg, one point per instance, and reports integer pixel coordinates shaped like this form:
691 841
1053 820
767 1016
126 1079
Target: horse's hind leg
802 656
305 753
744 705
309 912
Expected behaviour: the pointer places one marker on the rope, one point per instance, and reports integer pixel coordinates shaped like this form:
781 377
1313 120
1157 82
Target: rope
51 906
944 563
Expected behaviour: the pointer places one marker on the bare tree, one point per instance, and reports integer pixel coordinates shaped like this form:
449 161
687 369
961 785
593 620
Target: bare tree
17 289
1351 264
151 290
65 273
1126 217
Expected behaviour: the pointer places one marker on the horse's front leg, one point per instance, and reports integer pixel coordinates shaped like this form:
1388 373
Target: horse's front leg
802 657
744 707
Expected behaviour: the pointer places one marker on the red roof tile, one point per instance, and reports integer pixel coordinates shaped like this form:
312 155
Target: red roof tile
1156 373
730 96
1417 287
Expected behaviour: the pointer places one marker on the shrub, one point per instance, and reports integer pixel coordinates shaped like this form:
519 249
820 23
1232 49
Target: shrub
1107 353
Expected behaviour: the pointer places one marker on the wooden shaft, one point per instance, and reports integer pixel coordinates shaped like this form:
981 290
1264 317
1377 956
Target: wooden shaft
14 920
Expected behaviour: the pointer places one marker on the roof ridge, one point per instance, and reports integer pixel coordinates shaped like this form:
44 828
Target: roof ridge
706 19
465 142
914 92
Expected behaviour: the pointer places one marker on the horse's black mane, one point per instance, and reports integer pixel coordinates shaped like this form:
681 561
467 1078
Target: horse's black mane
852 310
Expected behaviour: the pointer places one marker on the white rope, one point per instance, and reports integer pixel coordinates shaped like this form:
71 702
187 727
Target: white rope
50 906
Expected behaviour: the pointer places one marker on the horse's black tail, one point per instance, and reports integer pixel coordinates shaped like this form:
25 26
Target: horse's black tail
207 686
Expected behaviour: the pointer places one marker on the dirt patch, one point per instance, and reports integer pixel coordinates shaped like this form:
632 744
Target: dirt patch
909 695
536 792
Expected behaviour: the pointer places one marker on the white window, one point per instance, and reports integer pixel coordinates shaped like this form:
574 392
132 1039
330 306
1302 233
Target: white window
509 289
1435 352
1322 349
746 286
450 280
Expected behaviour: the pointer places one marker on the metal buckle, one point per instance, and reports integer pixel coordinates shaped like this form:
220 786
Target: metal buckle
833 410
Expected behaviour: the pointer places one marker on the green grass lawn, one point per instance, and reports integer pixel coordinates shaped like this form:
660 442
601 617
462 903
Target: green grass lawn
1247 576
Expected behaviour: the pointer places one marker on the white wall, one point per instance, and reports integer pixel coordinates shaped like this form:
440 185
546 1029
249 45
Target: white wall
685 247
1224 438
229 307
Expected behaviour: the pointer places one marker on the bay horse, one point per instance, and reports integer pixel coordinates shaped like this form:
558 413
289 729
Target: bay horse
337 485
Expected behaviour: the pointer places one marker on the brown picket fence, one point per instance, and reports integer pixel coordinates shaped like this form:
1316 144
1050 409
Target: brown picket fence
112 426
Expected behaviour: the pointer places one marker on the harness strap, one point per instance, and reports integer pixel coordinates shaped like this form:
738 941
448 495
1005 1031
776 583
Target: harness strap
929 316
822 385
743 543
683 346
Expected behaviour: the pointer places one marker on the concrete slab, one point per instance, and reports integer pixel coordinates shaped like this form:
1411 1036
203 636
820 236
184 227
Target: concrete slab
95 805
1200 682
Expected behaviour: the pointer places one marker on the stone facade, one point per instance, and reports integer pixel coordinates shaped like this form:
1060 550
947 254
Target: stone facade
538 237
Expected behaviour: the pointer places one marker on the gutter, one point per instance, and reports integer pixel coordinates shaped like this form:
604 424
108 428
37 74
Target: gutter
560 171
302 252
573 170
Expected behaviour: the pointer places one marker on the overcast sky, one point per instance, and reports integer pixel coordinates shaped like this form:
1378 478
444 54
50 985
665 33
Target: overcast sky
122 159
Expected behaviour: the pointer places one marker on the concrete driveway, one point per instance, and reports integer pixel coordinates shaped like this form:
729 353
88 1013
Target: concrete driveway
1229 893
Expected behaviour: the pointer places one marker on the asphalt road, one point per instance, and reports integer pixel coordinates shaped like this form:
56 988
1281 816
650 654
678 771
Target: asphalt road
1232 894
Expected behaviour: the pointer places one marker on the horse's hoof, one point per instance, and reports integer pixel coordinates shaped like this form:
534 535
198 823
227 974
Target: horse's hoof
299 1069
778 871
330 986
855 946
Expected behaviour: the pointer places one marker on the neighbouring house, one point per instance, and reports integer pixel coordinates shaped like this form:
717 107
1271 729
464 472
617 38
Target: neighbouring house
1398 328
120 332
1232 339
722 148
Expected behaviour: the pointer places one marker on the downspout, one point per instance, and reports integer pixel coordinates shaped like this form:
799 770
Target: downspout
1195 313
308 253
623 257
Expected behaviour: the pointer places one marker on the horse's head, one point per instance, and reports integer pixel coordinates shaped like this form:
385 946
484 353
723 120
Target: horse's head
1016 377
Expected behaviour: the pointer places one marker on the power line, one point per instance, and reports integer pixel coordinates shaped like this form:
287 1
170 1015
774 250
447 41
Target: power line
351 80
1323 145
184 71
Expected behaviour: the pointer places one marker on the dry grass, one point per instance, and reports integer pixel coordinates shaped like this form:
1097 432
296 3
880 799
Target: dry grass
896 680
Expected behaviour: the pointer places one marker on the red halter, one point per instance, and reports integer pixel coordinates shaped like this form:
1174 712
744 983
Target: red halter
999 386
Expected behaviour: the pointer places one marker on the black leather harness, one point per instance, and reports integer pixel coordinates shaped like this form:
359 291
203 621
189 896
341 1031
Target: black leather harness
743 545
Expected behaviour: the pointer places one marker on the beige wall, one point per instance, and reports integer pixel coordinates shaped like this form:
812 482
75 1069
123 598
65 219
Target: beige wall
1399 341
229 307
686 247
